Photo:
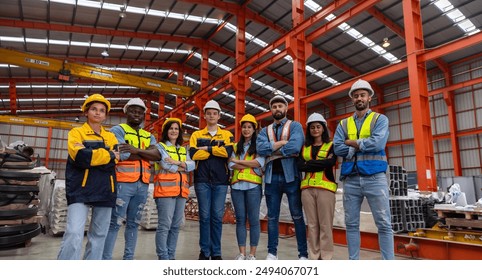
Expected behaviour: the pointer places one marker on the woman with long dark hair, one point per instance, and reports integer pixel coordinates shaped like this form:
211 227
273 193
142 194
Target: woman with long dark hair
318 187
246 187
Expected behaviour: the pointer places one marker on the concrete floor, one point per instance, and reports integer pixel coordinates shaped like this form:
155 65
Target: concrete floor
46 247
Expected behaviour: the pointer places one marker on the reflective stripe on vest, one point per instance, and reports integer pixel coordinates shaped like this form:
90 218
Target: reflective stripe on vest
167 184
366 163
130 171
285 135
317 179
247 174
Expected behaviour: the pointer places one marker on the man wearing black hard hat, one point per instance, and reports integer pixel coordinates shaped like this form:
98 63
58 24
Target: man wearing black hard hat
281 143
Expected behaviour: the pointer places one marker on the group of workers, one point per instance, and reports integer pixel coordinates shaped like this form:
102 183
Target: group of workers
108 173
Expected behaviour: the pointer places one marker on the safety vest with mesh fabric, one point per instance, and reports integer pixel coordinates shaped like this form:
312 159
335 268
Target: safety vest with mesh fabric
129 171
167 184
285 135
317 179
363 163
247 174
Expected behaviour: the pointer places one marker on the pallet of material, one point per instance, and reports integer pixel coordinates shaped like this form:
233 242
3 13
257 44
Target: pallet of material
448 211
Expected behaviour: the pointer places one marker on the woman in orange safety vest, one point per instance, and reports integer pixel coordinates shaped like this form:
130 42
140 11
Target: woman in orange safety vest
171 187
318 187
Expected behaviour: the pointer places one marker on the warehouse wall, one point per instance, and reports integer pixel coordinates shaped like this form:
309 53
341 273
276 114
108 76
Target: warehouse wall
468 108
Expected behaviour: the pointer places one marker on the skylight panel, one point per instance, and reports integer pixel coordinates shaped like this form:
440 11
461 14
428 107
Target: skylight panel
34 40
446 7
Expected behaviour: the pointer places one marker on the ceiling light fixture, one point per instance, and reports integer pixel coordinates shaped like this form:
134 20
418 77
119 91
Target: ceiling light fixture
122 13
385 44
105 53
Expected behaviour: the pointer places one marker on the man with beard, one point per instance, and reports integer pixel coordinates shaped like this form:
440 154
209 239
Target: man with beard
133 174
281 143
360 140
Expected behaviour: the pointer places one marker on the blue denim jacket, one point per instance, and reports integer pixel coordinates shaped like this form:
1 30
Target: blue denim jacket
264 147
376 142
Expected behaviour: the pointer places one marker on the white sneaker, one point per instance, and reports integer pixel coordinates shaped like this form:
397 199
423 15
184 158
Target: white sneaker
240 257
271 257
303 258
251 258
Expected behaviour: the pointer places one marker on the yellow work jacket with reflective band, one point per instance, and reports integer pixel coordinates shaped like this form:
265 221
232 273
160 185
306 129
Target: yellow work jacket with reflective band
317 179
167 184
362 162
129 171
247 174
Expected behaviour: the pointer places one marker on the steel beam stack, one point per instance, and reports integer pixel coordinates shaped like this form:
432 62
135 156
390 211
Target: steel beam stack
406 212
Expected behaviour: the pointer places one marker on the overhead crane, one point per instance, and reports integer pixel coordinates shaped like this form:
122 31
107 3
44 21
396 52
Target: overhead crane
65 69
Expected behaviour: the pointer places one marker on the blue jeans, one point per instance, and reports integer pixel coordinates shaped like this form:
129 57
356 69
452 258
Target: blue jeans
246 205
170 213
131 198
274 192
375 189
71 247
211 203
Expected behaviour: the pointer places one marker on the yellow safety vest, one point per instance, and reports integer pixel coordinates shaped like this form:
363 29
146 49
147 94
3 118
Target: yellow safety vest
317 179
366 163
129 171
247 174
167 184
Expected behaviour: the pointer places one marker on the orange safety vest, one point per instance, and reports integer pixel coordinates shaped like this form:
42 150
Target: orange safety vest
167 184
247 174
130 171
317 179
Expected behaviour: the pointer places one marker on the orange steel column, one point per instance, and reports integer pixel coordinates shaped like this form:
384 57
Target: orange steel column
239 80
147 118
47 152
299 50
449 100
160 112
417 75
12 88
201 100
179 113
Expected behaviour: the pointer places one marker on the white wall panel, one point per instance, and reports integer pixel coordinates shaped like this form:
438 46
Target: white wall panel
394 134
441 125
468 142
409 164
395 161
407 131
464 102
439 107
446 161
392 116
395 151
445 173
469 159
443 145
406 114
465 120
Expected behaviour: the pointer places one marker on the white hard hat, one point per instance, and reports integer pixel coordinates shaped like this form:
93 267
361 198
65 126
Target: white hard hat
278 98
315 117
135 101
212 104
361 84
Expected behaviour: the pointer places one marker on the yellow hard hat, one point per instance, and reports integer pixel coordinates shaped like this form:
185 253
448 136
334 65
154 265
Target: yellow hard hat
249 118
172 120
96 98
